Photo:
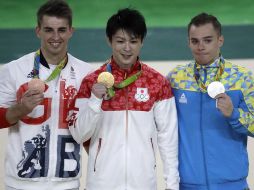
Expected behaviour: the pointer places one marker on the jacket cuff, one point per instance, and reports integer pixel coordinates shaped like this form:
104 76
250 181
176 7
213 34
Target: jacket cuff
3 121
234 118
95 103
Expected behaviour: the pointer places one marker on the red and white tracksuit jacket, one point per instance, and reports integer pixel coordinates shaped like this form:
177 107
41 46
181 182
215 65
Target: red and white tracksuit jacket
41 153
125 131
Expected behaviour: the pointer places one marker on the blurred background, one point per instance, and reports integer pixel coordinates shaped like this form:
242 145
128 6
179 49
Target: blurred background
166 21
164 47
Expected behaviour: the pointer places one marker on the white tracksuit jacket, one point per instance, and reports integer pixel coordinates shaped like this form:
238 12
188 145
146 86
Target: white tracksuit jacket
41 152
125 131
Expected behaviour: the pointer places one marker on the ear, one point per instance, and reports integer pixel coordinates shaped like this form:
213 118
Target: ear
221 41
109 42
37 31
188 41
72 30
142 42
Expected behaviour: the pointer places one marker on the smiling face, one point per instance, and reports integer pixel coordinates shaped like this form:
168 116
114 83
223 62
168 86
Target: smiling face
205 43
54 33
125 48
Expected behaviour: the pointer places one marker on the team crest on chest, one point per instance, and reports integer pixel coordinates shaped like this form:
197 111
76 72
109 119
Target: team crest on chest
142 95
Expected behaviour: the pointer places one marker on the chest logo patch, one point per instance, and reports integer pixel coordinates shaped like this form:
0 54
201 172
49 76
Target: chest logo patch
183 99
142 95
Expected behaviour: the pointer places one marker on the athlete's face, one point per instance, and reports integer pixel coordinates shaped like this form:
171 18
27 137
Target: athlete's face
125 48
205 43
54 33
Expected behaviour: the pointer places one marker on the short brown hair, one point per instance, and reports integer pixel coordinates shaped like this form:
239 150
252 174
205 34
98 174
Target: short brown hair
57 8
204 18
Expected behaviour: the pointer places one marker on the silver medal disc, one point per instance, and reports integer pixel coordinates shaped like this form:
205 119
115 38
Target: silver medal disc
215 88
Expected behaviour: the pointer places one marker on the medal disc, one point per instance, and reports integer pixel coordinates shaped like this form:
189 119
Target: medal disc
106 78
215 88
36 84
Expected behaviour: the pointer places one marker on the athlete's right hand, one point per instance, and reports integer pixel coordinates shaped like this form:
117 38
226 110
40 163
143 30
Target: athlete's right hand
29 100
99 90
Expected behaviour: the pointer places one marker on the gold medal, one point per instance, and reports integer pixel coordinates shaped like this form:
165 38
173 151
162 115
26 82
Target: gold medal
106 78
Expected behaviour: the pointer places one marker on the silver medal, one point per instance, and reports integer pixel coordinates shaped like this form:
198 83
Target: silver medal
215 88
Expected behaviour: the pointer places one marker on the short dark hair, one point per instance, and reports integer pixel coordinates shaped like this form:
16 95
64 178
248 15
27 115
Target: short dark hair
127 19
58 8
204 18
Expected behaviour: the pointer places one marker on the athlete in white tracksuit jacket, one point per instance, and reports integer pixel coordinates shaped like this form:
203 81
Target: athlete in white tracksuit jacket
125 130
41 153
40 148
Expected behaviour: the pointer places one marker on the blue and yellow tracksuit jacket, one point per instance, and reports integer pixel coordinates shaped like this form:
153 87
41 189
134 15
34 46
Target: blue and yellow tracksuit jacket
212 148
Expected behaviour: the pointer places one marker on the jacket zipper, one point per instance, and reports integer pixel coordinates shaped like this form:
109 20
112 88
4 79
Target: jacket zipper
202 138
97 154
56 92
126 135
153 153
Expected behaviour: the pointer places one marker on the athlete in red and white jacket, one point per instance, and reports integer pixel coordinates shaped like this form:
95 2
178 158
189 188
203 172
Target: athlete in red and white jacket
126 129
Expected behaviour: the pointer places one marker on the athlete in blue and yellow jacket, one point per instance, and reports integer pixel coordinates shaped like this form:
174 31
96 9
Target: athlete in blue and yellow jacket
212 131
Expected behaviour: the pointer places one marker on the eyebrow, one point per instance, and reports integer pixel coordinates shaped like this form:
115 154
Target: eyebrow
131 38
206 37
60 28
47 27
119 37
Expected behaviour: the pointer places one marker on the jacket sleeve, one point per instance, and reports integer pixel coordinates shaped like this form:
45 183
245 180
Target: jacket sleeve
85 115
86 120
7 94
242 118
167 127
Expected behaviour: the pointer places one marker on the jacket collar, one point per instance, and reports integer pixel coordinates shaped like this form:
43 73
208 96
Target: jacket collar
215 64
44 62
133 69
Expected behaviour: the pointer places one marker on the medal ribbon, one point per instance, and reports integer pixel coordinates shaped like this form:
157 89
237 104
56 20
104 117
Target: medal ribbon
217 77
124 83
54 73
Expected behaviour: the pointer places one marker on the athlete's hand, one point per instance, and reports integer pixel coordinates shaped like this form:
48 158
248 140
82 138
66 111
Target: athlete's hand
29 100
99 90
224 104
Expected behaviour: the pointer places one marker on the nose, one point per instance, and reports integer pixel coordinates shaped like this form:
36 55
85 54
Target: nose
127 46
56 35
201 45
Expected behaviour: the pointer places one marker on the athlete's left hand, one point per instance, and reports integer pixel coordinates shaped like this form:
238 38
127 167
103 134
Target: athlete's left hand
224 104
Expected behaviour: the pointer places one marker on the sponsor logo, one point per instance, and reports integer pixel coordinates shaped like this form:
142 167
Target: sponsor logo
183 99
72 73
31 74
